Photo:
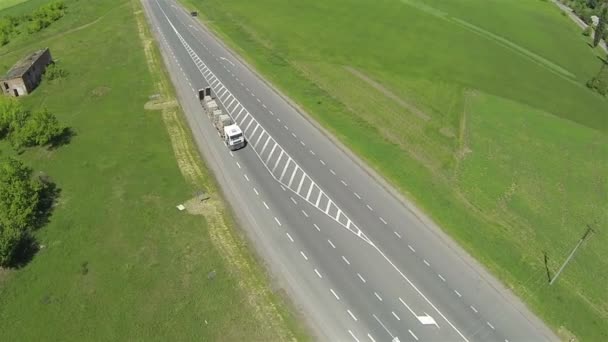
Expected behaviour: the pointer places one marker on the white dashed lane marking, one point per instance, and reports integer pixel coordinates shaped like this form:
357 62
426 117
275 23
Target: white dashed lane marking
361 277
289 236
345 260
334 293
318 274
353 336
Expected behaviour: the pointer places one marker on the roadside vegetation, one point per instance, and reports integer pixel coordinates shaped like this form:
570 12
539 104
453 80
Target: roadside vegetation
485 122
105 254
585 9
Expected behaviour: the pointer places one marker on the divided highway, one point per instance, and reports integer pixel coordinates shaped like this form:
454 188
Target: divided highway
360 264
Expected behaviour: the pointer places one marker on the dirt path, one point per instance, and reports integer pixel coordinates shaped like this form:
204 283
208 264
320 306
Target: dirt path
379 87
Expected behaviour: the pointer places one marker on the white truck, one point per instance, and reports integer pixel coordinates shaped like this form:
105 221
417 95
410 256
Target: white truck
230 132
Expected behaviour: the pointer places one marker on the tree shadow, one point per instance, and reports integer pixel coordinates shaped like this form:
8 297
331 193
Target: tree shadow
48 196
24 252
62 139
546 257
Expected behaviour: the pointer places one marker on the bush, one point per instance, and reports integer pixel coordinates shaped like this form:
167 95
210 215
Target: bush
54 72
35 26
40 129
44 16
587 31
8 26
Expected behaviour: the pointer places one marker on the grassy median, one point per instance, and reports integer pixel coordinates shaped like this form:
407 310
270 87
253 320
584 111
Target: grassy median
118 261
476 110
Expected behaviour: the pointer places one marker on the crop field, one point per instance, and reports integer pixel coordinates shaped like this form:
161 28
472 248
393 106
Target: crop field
117 260
476 110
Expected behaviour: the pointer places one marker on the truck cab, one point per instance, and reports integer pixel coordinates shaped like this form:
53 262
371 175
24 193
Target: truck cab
233 137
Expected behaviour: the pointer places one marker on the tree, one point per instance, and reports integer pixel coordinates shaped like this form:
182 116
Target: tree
599 30
40 129
10 237
12 116
7 107
19 200
25 129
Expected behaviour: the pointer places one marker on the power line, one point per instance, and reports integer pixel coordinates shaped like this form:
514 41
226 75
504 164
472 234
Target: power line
580 242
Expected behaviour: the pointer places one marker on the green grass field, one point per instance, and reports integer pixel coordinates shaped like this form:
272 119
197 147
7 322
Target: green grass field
9 3
119 261
476 110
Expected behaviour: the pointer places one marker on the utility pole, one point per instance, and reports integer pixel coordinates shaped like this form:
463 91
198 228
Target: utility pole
580 242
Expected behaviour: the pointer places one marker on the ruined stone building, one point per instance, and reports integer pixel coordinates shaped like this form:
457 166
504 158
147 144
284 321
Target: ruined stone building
25 76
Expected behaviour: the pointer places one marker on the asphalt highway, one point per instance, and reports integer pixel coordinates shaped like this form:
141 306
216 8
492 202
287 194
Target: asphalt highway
358 262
